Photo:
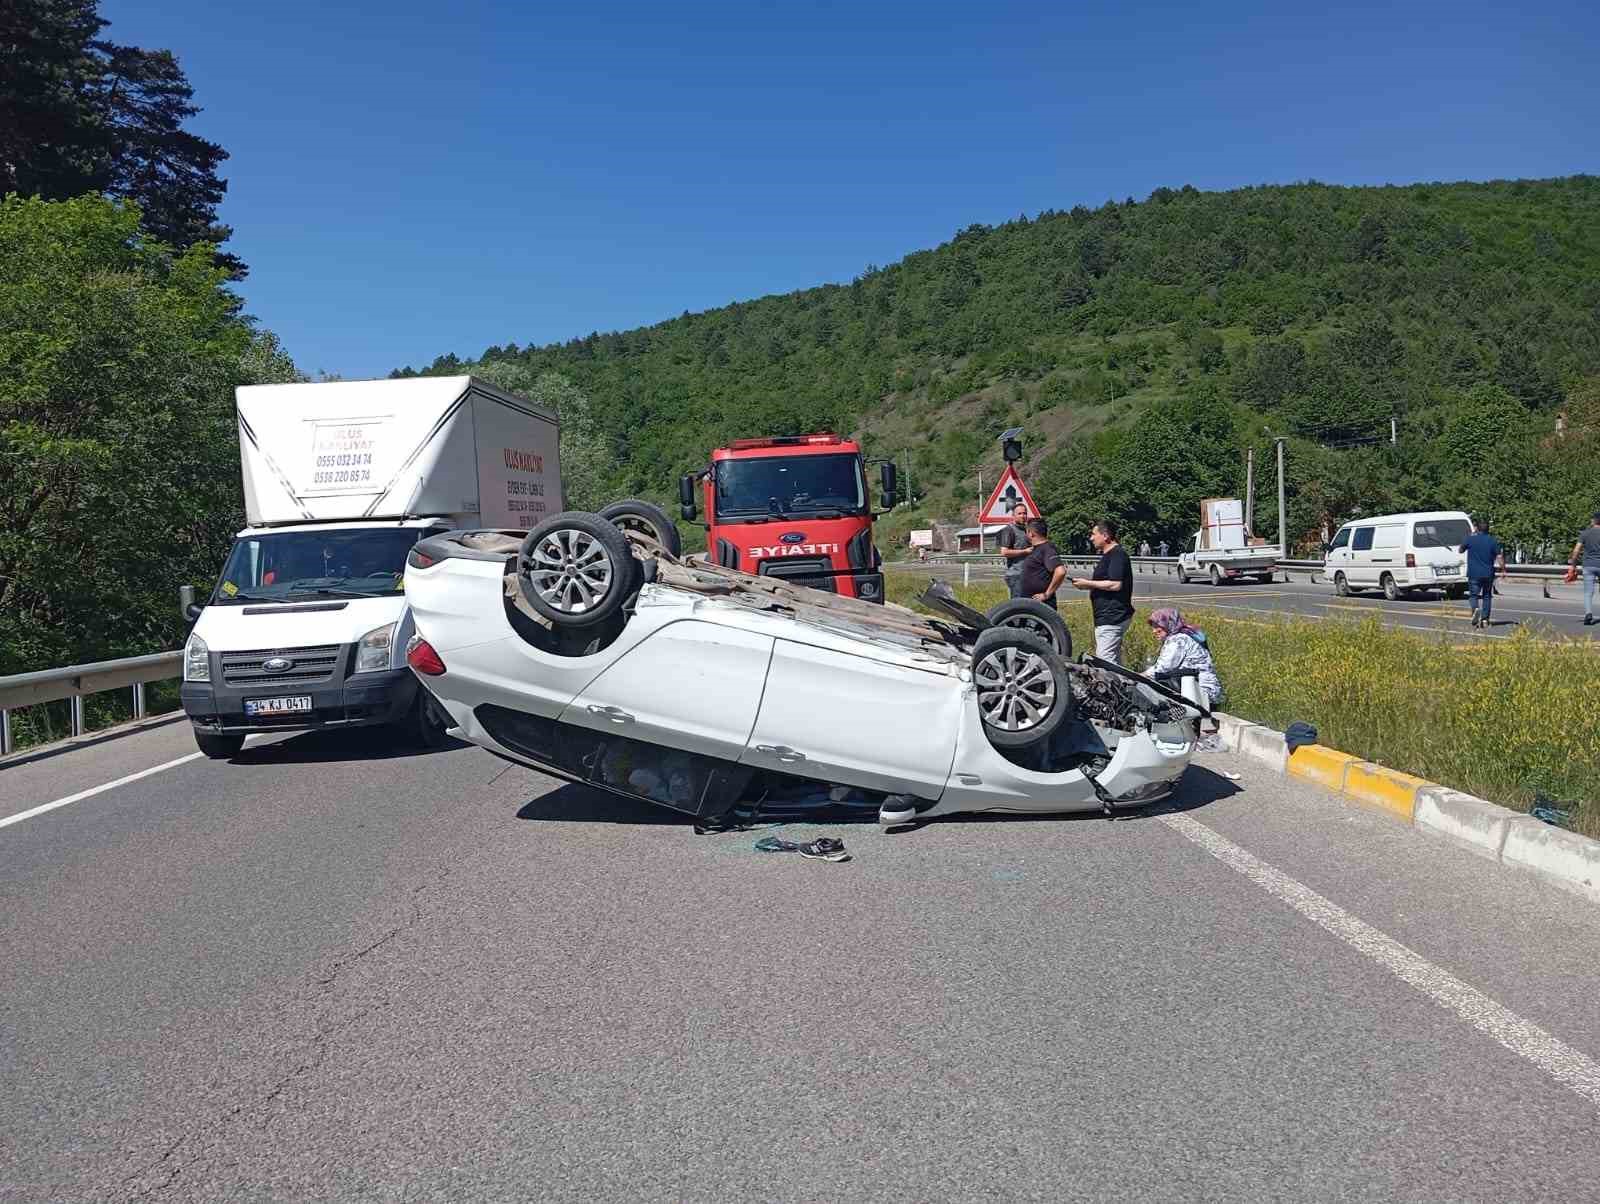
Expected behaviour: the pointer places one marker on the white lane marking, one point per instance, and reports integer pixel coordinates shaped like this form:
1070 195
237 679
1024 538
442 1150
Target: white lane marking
93 790
1557 1059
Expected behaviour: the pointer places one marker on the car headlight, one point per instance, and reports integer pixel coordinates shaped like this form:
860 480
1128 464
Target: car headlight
196 660
375 650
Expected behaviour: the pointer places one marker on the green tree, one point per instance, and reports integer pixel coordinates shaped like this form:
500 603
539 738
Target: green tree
119 472
81 114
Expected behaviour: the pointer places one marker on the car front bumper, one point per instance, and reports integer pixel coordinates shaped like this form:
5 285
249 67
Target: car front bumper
358 701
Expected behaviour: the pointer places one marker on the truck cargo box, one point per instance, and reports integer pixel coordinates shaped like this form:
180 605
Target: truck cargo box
1222 524
450 446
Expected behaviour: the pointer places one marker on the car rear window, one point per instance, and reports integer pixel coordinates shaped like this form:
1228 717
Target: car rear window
1441 533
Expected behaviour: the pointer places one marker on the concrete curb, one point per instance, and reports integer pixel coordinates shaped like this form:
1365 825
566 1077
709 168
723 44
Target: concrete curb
1497 833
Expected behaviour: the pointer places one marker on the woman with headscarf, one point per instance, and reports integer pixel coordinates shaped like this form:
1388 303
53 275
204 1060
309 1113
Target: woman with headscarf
1182 651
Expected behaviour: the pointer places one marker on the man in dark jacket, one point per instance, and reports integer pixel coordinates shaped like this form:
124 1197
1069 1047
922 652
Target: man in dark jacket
1484 557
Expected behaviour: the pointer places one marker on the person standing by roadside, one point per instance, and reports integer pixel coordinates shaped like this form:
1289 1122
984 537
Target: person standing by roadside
1144 548
1042 570
1110 591
1588 549
1015 548
1161 548
1484 556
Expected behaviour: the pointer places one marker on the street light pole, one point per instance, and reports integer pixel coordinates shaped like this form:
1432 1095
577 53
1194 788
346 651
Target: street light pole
1283 528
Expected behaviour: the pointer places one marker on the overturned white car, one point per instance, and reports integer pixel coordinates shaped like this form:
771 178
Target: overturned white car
588 649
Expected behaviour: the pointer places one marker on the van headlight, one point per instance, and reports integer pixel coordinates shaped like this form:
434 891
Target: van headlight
375 650
196 660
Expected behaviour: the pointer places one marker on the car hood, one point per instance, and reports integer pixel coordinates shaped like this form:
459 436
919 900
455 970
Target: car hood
242 627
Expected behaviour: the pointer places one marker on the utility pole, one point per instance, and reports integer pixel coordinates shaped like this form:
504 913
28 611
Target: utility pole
1283 527
980 512
1250 489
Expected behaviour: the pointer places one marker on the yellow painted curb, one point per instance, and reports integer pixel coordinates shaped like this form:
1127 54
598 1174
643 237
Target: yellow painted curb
1387 789
1324 766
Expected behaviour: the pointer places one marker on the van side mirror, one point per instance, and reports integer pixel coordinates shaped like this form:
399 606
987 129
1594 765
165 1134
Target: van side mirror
686 506
888 485
186 603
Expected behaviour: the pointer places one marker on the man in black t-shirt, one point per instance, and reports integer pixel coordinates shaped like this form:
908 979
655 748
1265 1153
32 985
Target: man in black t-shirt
1042 570
1110 591
1014 548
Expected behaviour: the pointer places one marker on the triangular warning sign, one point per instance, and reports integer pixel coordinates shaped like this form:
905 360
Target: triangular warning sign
1006 495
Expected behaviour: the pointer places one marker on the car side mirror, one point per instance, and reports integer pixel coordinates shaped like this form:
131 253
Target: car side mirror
187 606
686 506
888 485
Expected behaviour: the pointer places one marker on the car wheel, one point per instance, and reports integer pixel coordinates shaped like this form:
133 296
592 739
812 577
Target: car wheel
425 723
219 746
1035 618
1216 575
1391 591
1340 585
635 514
576 569
1024 688
1455 591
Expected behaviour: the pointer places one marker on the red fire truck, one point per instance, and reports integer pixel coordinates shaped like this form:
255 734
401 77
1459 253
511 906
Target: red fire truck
796 507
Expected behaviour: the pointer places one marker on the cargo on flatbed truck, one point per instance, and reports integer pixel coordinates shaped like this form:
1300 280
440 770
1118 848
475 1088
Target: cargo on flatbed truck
1223 548
795 507
307 625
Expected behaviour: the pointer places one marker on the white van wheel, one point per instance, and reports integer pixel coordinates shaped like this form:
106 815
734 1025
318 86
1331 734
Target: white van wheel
1340 585
1390 590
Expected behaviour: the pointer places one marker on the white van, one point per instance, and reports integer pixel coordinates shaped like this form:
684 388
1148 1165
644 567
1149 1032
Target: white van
1401 554
308 623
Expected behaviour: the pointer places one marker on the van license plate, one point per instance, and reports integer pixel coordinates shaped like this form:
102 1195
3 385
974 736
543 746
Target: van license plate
277 706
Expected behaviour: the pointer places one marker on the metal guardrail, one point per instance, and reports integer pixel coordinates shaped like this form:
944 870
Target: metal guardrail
1312 568
75 681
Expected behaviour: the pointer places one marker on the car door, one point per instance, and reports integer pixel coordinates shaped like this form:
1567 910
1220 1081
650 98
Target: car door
1361 571
1388 552
692 686
1337 558
844 718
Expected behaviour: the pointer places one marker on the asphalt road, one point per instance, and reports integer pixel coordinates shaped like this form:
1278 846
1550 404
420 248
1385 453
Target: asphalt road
327 971
1519 605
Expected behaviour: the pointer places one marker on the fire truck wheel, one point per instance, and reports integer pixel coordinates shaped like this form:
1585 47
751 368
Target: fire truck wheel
1024 688
1036 619
576 569
635 514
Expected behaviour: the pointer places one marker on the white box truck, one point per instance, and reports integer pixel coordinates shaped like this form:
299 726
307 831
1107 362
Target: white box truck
307 625
1223 548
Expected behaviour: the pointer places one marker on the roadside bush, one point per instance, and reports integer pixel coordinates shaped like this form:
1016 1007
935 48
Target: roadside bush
1502 719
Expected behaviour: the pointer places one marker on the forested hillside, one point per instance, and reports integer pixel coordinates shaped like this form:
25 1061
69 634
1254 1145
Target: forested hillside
1145 345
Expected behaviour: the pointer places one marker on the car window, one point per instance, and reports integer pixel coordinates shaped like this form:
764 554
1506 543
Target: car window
1441 533
1390 536
1363 540
1341 540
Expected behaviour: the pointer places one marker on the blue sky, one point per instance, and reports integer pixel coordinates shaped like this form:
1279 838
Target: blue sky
413 178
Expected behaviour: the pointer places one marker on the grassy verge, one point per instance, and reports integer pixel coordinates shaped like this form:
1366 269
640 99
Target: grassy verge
1501 719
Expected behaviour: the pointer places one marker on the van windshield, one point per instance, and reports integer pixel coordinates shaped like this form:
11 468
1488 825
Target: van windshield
280 565
1441 533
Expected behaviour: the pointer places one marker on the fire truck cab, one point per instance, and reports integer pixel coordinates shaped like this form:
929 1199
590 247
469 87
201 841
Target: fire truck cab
796 507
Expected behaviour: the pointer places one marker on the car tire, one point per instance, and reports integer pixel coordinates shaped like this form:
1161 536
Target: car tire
635 514
1024 687
219 746
1391 591
1340 585
1045 622
425 724
1456 592
1216 575
577 569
